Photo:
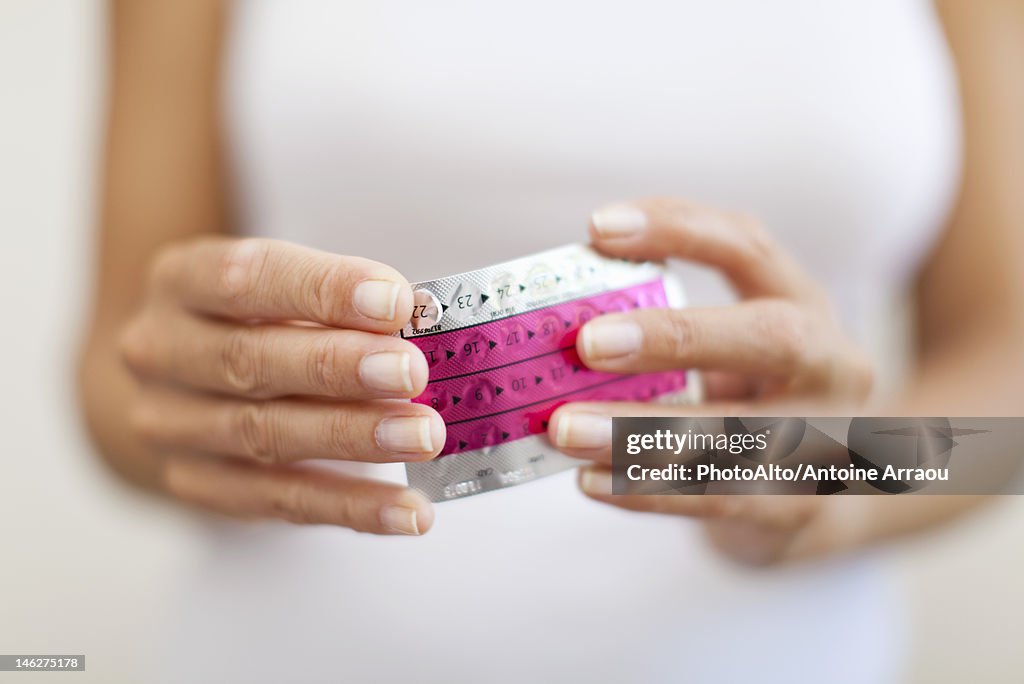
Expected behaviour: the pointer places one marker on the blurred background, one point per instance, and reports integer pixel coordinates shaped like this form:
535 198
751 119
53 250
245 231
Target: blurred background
87 566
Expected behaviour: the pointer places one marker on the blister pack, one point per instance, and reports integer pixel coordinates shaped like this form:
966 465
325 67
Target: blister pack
501 346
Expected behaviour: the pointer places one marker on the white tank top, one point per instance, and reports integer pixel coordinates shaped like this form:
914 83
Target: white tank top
442 136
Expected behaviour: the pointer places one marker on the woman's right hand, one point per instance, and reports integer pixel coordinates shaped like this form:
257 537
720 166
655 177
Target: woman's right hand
254 355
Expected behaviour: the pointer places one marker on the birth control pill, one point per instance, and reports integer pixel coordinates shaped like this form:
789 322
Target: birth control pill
500 346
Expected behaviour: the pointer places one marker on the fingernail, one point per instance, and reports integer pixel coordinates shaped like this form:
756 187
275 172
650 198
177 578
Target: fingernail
596 481
583 431
377 299
618 220
608 339
386 371
399 519
411 435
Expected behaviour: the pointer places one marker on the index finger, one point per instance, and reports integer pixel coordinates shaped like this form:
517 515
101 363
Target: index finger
738 245
256 278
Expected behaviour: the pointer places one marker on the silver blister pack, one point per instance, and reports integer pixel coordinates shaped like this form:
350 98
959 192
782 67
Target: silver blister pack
501 346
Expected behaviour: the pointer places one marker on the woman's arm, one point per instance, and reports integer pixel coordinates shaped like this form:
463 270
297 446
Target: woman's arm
971 292
163 182
216 368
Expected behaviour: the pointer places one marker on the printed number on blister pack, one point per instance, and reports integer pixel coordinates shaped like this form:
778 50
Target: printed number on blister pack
500 345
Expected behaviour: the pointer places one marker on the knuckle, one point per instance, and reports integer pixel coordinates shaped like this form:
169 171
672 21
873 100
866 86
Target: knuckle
336 433
133 345
165 266
758 243
241 269
346 511
297 503
677 216
321 290
324 366
175 478
145 422
683 334
258 433
241 363
291 502
784 325
680 211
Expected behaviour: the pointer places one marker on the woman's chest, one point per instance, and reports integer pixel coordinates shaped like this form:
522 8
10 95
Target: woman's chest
441 136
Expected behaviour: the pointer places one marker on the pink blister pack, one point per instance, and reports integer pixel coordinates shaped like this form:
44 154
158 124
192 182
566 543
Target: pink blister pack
500 345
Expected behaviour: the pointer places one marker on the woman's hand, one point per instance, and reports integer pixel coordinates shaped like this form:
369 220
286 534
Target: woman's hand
781 344
252 355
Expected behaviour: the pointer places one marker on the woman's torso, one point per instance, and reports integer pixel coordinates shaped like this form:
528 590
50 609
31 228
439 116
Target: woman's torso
438 137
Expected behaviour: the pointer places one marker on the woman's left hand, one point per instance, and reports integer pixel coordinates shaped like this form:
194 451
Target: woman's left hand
780 345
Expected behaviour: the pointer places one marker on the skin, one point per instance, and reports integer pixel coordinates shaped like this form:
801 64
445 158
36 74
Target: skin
213 366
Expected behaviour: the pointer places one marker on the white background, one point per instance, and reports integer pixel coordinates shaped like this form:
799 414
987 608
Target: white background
86 565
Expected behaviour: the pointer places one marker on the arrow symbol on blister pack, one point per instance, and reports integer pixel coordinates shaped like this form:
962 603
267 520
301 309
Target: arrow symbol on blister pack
462 445
456 400
484 298
530 334
558 278
575 369
498 390
544 425
537 379
521 287
448 354
568 323
492 344
444 307
504 435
